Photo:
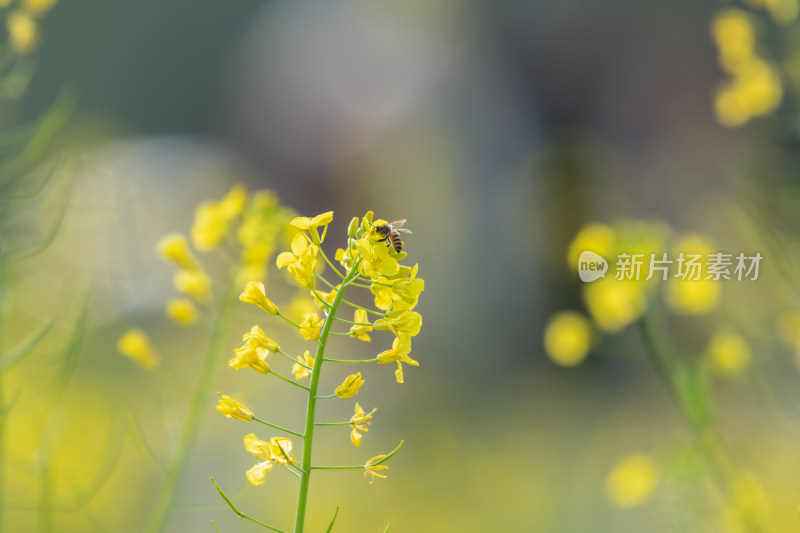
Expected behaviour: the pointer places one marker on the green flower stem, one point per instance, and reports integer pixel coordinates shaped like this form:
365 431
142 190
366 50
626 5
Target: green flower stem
215 527
279 428
351 322
326 397
390 454
319 297
375 360
292 471
325 257
194 416
302 497
287 380
332 423
326 282
289 320
241 514
373 283
348 467
351 304
292 359
341 333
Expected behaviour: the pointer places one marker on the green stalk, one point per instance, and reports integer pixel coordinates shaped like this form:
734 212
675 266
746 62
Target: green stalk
207 375
302 497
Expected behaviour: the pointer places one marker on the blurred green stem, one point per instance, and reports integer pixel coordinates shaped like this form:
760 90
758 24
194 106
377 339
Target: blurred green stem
209 372
302 497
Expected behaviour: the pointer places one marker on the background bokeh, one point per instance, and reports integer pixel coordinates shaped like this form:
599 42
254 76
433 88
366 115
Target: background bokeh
497 129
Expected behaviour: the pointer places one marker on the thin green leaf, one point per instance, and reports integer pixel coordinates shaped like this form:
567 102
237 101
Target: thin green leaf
215 527
330 526
387 527
24 347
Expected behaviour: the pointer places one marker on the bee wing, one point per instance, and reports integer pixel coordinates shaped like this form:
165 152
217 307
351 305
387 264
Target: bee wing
397 223
402 230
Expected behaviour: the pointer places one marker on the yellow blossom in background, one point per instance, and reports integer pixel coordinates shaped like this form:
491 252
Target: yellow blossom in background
251 356
212 219
781 11
182 311
733 32
350 386
614 304
371 469
175 249
311 326
567 338
594 237
728 354
233 409
300 371
359 422
747 507
136 344
254 294
301 305
632 480
38 7
23 31
321 298
692 297
194 283
256 338
359 331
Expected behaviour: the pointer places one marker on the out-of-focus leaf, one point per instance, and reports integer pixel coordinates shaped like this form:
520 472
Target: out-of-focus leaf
57 166
24 347
42 246
330 526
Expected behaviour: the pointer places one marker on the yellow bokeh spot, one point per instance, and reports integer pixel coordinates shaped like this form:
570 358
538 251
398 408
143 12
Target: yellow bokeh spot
692 297
136 344
728 354
38 7
632 480
23 31
594 237
567 338
182 311
614 304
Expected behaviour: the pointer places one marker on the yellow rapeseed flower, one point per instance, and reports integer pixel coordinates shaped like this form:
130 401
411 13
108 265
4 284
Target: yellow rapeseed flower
251 356
401 347
728 354
175 248
300 371
301 261
377 262
359 331
567 338
613 304
311 326
254 294
406 290
350 386
632 480
400 322
781 11
734 34
182 311
136 344
233 409
23 31
258 473
193 282
371 469
311 225
359 422
212 219
256 337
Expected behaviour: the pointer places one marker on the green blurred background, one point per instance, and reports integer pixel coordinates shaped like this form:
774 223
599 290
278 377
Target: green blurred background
498 129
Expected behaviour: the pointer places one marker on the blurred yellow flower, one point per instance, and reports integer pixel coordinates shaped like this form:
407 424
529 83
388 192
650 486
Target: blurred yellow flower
728 353
359 331
614 304
632 480
251 356
350 386
567 338
300 371
692 297
734 34
182 311
754 90
311 326
594 237
38 7
212 219
175 248
781 11
256 338
233 409
136 344
371 469
23 31
254 294
359 422
747 507
193 282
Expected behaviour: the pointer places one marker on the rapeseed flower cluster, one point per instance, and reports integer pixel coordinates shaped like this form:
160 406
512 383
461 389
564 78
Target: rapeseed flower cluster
369 262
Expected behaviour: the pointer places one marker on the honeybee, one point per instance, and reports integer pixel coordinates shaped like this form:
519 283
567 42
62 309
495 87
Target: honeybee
391 234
